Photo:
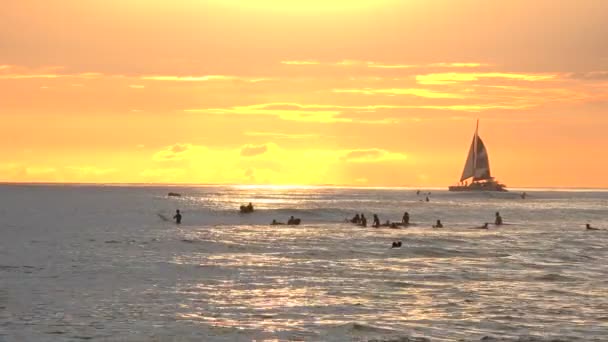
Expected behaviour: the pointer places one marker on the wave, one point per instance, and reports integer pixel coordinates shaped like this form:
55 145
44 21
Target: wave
366 332
553 277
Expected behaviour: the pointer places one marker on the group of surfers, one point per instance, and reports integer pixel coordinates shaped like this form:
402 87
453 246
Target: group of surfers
361 220
246 209
293 221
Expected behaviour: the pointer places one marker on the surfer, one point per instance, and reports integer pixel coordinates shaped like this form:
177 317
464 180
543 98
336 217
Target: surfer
438 224
523 195
406 219
427 199
588 227
356 219
376 223
247 208
177 217
483 226
276 223
498 220
293 221
396 244
363 221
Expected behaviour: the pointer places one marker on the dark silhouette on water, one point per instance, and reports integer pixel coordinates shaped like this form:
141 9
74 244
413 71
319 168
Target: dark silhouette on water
376 223
178 217
406 219
483 226
396 244
246 209
438 224
174 194
275 223
293 221
363 221
498 220
588 227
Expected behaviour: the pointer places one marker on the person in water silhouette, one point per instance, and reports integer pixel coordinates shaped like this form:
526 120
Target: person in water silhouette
376 223
438 224
498 220
483 226
406 219
363 221
178 217
588 227
427 199
293 221
396 244
356 219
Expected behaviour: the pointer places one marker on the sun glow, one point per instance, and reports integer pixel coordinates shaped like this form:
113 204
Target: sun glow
306 5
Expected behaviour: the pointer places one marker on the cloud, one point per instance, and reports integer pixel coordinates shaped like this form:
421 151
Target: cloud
281 135
371 155
173 153
18 72
12 72
427 93
253 150
303 62
455 77
590 76
457 65
174 78
285 111
384 65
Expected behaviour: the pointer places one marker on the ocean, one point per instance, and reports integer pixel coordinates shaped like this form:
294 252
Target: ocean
98 263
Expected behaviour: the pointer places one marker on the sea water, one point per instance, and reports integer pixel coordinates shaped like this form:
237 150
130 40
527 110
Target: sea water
99 263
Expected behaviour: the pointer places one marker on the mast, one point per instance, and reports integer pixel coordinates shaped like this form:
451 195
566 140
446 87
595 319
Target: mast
475 142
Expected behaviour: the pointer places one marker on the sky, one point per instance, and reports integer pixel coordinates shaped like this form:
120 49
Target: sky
307 92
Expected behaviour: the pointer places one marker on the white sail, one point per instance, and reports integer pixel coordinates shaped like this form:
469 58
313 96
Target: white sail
469 165
482 162
477 165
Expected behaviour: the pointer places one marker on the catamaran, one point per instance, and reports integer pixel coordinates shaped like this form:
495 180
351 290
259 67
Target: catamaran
477 169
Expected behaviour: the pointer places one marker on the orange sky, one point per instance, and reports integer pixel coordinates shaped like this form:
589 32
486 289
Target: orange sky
357 92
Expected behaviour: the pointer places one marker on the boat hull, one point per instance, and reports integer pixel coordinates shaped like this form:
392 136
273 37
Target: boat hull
481 186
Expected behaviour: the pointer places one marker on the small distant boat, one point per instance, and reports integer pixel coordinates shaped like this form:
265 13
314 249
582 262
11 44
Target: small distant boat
477 169
174 194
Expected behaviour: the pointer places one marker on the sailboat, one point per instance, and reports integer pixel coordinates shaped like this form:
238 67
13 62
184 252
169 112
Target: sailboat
477 169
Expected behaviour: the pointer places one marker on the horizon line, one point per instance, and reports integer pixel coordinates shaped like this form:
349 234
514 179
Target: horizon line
287 186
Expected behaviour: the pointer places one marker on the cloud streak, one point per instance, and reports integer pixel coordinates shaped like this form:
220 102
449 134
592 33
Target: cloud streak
455 77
